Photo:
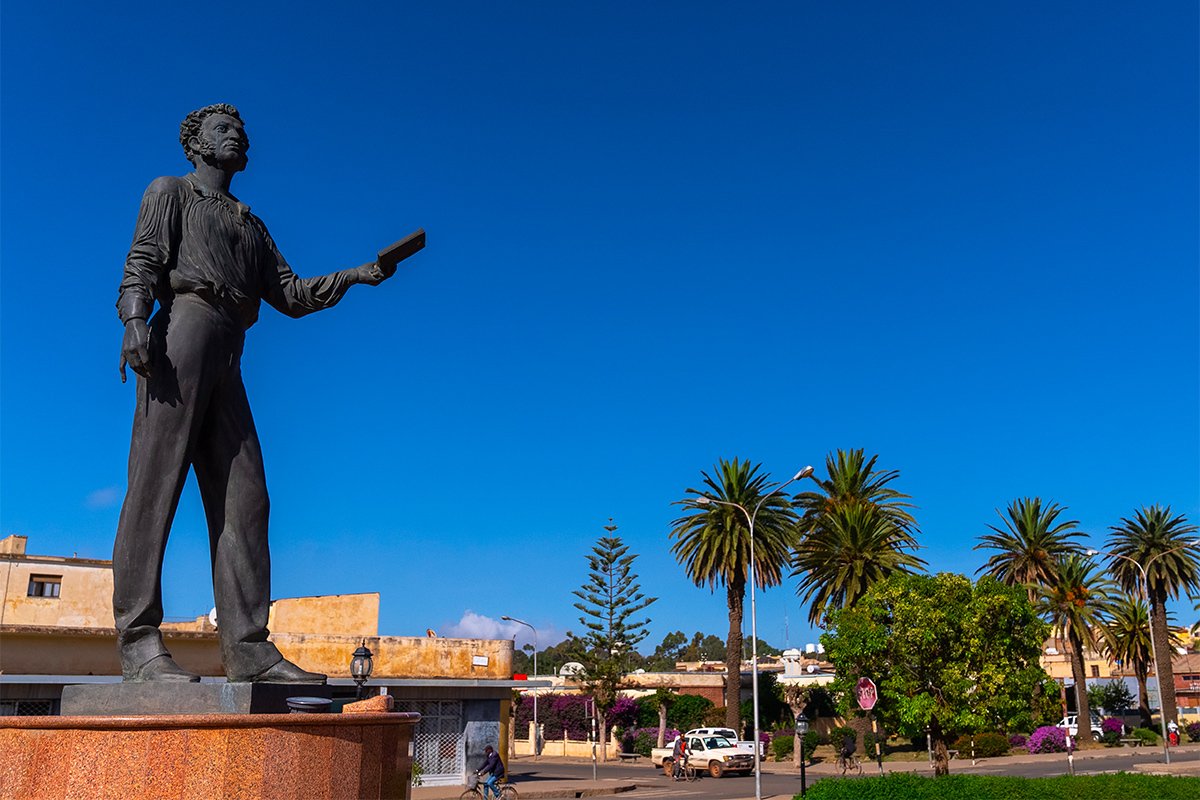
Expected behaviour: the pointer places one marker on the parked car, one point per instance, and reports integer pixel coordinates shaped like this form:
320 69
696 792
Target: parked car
1070 724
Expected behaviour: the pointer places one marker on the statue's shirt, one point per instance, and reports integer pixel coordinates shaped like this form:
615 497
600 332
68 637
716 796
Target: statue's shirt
190 239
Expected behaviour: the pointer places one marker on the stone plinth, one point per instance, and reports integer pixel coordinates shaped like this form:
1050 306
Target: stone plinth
208 757
160 697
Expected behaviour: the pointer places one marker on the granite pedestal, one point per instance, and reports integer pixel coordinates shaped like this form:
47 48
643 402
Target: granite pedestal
208 757
113 699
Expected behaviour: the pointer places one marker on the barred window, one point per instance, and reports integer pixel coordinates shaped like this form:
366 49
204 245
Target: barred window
45 585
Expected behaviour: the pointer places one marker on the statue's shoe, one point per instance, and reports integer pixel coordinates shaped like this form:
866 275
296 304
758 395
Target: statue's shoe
162 668
286 672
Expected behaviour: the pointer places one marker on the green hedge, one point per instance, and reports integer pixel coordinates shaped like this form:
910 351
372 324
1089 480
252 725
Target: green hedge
904 786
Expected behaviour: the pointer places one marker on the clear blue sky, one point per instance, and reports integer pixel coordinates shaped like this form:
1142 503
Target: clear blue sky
961 236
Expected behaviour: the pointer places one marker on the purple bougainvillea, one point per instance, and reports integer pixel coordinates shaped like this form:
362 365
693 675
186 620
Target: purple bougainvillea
1017 740
1112 725
1047 739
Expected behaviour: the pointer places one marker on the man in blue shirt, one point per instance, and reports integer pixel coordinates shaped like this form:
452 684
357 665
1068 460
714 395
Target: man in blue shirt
492 768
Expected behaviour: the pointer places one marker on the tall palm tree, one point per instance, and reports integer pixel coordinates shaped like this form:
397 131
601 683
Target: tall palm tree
1032 543
712 542
854 531
1160 543
1075 603
853 477
1127 641
850 547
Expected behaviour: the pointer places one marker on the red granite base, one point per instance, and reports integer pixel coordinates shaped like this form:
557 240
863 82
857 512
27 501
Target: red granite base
207 757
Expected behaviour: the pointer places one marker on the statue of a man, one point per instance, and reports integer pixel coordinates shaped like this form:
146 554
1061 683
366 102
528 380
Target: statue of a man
207 262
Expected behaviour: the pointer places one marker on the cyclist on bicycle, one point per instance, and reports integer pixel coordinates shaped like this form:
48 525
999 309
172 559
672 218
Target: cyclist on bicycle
492 768
849 745
679 755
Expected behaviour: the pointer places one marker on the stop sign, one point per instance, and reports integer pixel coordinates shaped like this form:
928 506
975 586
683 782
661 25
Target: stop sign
867 693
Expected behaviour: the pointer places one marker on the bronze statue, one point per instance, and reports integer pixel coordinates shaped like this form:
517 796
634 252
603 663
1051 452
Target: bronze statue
207 262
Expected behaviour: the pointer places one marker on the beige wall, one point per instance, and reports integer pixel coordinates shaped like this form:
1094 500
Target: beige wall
29 650
347 614
401 656
84 601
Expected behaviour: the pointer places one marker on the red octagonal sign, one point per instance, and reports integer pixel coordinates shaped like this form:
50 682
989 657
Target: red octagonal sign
867 693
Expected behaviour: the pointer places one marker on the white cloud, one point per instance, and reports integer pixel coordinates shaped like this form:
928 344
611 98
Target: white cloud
477 626
107 497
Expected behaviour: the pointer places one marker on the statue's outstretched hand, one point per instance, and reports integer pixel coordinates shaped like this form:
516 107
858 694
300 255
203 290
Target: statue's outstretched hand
135 348
373 274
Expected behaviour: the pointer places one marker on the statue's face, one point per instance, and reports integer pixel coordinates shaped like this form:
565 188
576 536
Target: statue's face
223 142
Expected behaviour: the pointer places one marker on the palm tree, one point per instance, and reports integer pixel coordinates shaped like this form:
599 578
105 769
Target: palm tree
852 477
1158 542
853 533
1076 603
852 545
1031 544
1127 641
712 542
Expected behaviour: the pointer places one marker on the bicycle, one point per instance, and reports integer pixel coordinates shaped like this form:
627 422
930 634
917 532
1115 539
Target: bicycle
849 763
688 772
474 790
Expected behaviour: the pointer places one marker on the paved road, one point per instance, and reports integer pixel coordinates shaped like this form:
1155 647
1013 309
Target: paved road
780 781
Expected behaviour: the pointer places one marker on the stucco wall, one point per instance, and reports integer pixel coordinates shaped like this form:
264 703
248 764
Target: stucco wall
84 601
93 651
401 656
348 614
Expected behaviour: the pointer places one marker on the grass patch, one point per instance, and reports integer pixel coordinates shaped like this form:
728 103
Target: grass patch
1121 786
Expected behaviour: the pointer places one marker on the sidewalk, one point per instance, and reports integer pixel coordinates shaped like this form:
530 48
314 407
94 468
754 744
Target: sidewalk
537 789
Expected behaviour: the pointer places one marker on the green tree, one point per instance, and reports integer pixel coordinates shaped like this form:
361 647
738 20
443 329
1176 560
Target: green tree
688 711
704 647
1112 697
712 542
667 653
609 600
1159 542
1031 544
663 698
852 479
853 546
1076 603
944 653
1127 642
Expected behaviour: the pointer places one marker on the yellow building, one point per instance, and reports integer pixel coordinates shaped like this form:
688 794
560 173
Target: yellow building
56 629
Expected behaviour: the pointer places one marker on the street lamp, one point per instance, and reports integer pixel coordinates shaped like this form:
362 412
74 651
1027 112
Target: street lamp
750 517
1162 711
802 729
537 732
360 667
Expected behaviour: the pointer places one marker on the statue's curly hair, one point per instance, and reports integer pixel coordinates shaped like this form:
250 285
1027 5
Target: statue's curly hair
190 126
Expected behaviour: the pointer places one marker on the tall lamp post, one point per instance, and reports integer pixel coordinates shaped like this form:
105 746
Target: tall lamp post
537 733
1162 711
802 729
750 517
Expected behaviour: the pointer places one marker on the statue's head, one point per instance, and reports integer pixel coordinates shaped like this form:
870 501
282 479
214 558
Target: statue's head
215 135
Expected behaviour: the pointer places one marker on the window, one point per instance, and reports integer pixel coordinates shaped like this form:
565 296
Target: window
44 585
1095 671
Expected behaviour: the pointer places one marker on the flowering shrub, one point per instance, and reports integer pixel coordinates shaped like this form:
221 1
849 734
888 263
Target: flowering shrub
1047 739
624 714
642 740
1193 731
1112 724
1017 740
557 713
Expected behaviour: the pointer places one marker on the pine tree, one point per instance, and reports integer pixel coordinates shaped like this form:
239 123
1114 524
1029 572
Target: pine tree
609 599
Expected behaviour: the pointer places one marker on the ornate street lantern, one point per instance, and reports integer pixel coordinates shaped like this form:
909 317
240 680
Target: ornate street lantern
360 666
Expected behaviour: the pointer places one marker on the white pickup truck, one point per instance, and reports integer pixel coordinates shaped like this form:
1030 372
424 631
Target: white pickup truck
710 752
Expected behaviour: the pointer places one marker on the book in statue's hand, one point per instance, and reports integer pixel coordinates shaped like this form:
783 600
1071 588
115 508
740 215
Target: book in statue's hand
393 254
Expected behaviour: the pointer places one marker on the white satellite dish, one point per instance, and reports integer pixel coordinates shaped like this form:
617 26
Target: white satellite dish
212 617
